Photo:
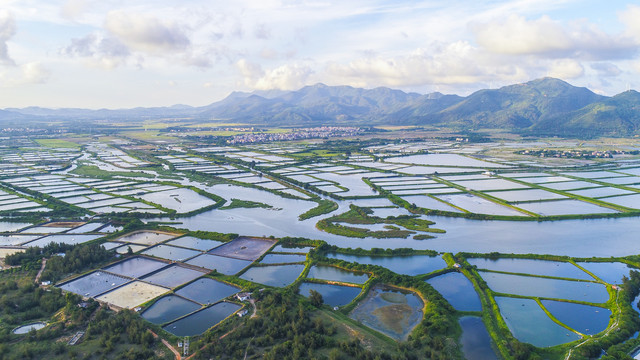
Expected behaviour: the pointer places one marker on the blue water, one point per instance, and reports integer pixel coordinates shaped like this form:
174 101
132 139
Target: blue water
334 295
457 290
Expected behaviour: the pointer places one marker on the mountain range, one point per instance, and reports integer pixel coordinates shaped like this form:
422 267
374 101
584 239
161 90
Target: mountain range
544 107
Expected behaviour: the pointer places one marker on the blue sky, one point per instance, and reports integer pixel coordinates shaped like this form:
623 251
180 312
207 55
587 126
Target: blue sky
115 54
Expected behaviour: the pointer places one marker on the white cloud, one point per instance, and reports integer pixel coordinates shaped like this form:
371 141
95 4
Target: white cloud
284 77
629 18
566 69
7 31
547 38
146 33
26 74
606 69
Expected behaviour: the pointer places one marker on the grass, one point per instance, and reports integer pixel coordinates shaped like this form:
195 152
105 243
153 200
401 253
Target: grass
94 171
324 207
237 203
57 143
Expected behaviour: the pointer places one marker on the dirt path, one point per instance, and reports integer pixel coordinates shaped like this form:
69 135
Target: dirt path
44 263
166 343
255 309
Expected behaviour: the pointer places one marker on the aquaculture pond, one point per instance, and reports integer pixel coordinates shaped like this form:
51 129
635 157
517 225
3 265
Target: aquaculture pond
525 195
195 243
223 265
207 291
135 267
565 207
6 226
171 252
610 272
406 265
173 276
25 329
392 312
543 287
244 248
585 319
287 249
529 323
132 294
334 295
531 266
169 308
283 258
201 321
457 290
475 339
332 273
145 237
93 284
274 275
442 159
70 239
478 205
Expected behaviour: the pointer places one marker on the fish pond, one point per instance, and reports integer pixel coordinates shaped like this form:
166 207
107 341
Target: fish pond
475 339
173 276
223 265
609 272
544 287
585 319
333 295
406 265
332 273
135 267
457 290
207 291
93 284
529 323
169 308
283 258
531 266
274 275
201 321
25 329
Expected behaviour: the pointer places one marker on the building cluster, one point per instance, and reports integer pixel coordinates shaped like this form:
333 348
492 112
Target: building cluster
297 134
572 154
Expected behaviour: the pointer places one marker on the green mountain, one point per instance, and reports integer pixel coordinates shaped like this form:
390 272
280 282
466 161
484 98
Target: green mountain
545 106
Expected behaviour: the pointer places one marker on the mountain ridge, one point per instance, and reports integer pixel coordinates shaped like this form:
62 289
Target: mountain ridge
545 106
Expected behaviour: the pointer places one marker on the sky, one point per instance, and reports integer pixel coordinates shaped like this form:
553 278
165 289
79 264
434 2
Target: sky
131 53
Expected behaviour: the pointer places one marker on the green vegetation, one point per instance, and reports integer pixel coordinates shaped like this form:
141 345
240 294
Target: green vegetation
94 171
237 203
324 207
57 143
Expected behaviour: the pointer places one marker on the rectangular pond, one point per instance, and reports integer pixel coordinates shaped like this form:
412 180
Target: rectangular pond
93 284
201 321
426 202
475 339
169 308
145 237
135 267
478 205
274 275
585 319
547 288
223 265
332 295
525 195
332 273
172 276
207 291
443 160
529 323
289 249
457 290
244 248
531 266
565 207
195 243
406 265
609 272
71 239
283 258
171 252
491 184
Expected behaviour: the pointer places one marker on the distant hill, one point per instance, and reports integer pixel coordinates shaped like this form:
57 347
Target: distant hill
545 106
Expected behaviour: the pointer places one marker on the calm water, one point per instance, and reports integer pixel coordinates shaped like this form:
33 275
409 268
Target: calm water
26 328
195 243
207 291
171 252
530 324
586 319
529 266
457 290
407 265
135 267
475 339
201 321
173 276
334 295
391 312
335 274
94 283
276 275
303 249
610 272
223 265
283 258
549 288
168 309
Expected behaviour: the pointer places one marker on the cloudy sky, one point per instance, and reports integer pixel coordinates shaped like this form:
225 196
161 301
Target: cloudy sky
128 53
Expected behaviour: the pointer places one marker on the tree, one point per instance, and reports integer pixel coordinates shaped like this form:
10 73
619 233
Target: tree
315 298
